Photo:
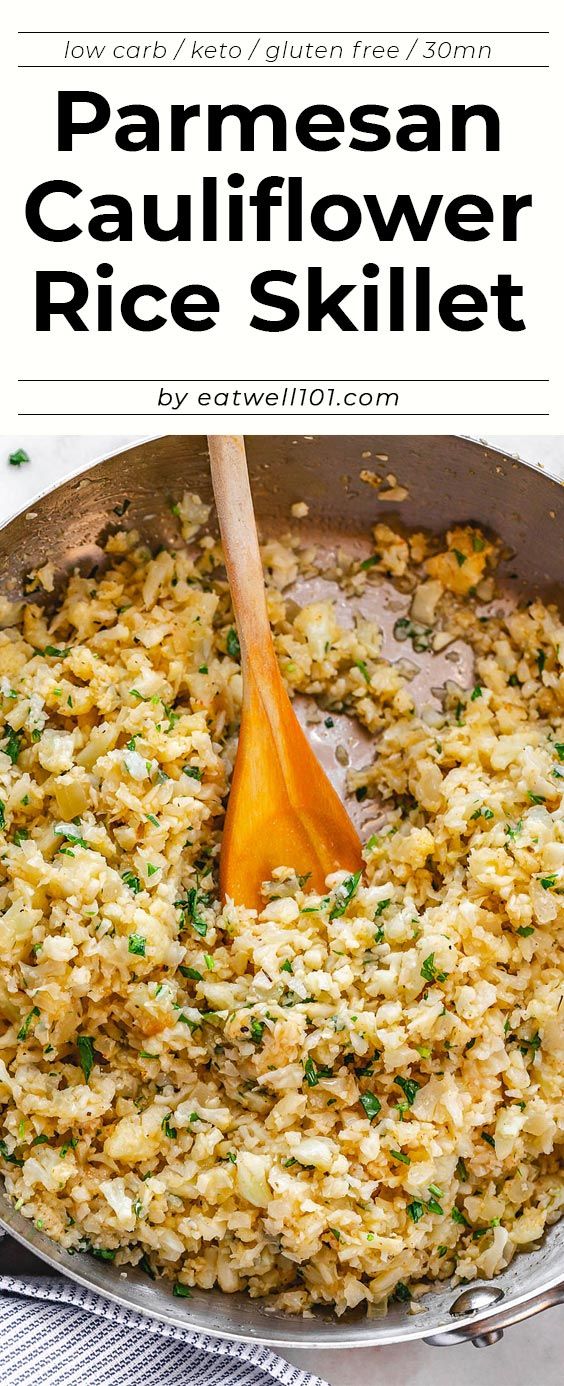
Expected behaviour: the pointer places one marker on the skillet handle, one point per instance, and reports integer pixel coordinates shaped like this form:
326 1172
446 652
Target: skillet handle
486 1331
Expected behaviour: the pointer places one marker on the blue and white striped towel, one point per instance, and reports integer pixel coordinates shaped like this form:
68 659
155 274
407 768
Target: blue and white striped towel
53 1332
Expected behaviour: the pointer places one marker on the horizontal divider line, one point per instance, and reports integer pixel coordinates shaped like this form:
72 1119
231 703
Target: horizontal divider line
271 414
276 67
282 379
247 33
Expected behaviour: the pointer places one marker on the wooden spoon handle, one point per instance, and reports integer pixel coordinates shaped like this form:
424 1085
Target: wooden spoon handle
241 549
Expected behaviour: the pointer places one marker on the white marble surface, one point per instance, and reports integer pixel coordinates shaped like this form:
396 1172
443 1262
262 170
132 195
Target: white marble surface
530 1352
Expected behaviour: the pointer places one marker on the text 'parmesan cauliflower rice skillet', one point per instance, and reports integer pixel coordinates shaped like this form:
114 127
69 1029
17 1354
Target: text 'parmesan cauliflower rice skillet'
351 1096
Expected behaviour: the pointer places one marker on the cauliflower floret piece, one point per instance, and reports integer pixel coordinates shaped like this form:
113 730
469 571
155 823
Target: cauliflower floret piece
56 751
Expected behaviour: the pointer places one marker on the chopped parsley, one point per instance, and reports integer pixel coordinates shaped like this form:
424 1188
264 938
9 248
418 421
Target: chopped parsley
344 894
136 944
404 629
512 830
430 973
18 458
360 664
131 880
459 1217
30 1017
232 643
481 813
85 1046
181 1291
313 1072
381 906
13 744
71 833
11 1159
410 1087
257 1030
371 1104
190 911
191 972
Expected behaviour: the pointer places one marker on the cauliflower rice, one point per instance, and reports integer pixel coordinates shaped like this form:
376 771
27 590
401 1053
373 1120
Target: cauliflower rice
351 1096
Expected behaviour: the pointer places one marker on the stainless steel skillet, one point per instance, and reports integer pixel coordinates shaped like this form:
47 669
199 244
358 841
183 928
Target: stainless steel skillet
448 480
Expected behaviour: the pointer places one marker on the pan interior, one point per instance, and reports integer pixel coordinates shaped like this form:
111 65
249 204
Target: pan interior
448 480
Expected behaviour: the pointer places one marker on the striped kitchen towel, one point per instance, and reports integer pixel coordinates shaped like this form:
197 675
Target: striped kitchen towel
56 1333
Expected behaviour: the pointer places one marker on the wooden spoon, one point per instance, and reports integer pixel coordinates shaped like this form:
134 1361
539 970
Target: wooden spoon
282 810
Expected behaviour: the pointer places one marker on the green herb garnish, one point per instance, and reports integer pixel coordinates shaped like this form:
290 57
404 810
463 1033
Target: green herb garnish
371 1104
257 1030
410 1087
136 944
313 1072
30 1017
13 744
131 880
190 911
344 894
85 1046
232 643
430 973
459 1217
